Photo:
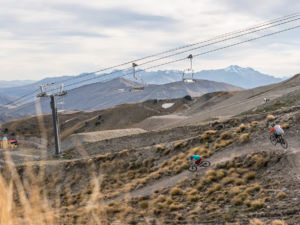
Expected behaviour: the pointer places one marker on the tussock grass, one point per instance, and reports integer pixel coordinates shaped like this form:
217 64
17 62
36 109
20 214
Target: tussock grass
160 148
214 188
254 124
208 136
281 195
253 189
211 173
227 180
241 128
286 126
124 152
226 135
270 117
237 200
244 138
256 222
176 191
176 206
144 204
257 204
221 173
278 222
222 143
180 144
260 161
250 175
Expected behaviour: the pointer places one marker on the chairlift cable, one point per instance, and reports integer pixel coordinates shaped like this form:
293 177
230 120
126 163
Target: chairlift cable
217 42
182 52
189 45
224 47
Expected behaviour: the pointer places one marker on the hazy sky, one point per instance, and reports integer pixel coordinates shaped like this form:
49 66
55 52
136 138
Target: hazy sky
42 38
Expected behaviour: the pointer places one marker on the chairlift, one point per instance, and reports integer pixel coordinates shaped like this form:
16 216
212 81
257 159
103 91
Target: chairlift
60 103
140 85
188 74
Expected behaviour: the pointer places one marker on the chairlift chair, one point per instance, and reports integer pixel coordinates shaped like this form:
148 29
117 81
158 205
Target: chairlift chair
188 74
60 104
140 85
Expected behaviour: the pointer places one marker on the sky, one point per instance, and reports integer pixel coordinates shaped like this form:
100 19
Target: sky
47 38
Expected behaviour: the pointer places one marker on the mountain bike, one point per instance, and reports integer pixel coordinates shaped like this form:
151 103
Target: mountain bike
279 139
193 166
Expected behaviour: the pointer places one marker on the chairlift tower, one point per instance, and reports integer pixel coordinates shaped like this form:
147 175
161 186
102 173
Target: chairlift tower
53 91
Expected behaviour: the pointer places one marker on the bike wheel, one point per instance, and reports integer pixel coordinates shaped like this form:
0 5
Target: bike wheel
192 168
205 163
273 139
283 143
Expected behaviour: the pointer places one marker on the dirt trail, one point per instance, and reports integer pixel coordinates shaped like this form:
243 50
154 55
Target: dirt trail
224 155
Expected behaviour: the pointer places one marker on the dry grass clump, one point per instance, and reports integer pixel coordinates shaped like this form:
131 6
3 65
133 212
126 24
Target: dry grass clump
211 173
221 173
259 160
237 200
239 181
281 195
113 207
256 222
226 135
208 136
257 204
250 175
252 189
241 171
124 152
244 138
160 148
214 188
254 124
270 117
286 126
222 143
176 191
176 206
193 197
278 222
144 204
235 190
241 128
227 180
180 144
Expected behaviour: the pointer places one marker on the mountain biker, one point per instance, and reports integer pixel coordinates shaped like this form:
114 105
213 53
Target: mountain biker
277 129
196 158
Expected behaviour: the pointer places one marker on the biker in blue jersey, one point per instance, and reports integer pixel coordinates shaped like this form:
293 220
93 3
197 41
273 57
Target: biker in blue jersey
196 158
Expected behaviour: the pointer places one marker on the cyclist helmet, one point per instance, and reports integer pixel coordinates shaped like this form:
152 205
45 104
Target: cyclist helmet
191 157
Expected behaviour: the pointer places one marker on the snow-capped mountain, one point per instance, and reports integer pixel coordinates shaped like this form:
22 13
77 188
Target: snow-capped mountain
235 75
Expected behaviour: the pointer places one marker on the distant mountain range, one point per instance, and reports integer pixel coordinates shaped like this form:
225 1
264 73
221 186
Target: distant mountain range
14 83
234 75
4 100
119 91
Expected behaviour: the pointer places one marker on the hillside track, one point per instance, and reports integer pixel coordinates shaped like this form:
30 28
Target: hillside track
227 154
